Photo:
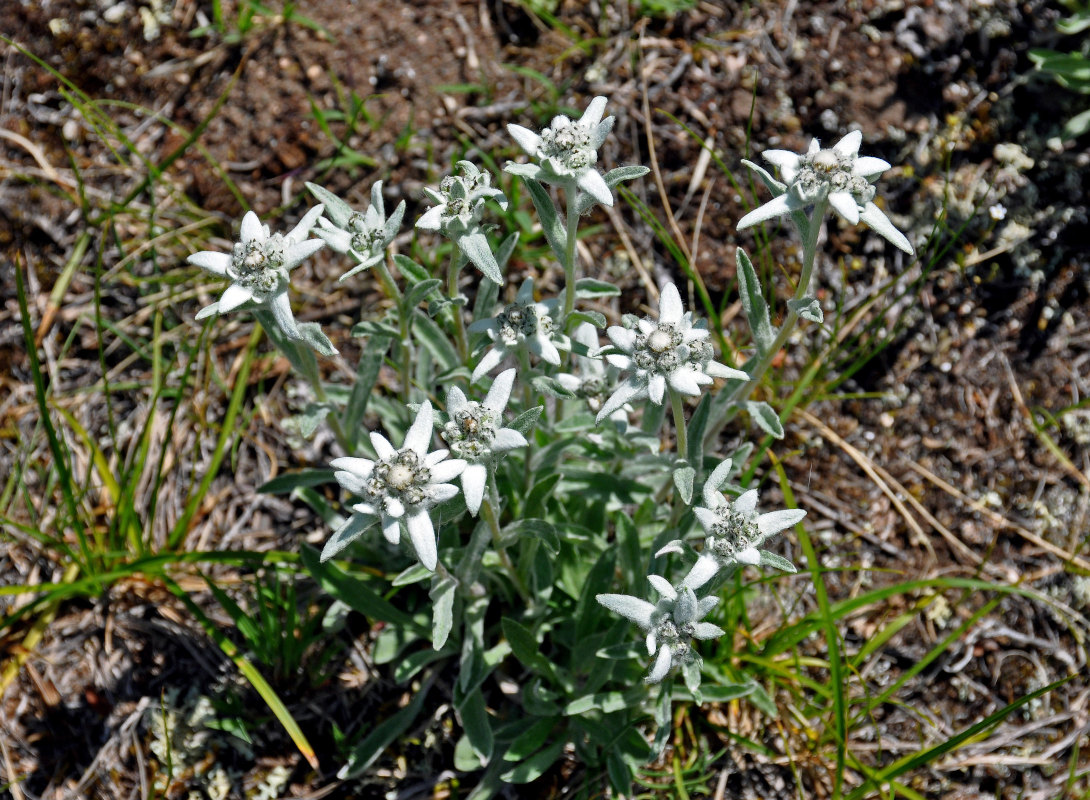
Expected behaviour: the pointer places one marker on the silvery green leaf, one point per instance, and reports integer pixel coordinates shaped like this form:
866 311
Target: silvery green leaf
595 318
375 328
612 179
729 691
707 630
691 673
550 386
765 417
351 530
773 185
371 360
525 422
338 211
476 249
683 480
685 606
393 224
312 417
769 559
622 651
466 758
527 742
673 546
417 293
715 482
536 765
311 333
527 171
506 248
633 608
477 725
696 429
538 529
620 174
414 574
412 272
753 302
591 289
807 308
606 702
550 220
383 735
435 340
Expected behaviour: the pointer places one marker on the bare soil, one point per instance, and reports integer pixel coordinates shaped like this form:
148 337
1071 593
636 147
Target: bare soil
927 461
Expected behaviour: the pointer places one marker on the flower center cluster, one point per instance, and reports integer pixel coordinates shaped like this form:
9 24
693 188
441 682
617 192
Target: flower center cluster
679 640
518 321
569 144
365 238
733 533
471 431
594 391
661 350
827 171
258 264
402 476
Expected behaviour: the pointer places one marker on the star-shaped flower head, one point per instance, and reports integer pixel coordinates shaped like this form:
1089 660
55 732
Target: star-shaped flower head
670 352
567 151
476 434
364 235
838 175
457 215
594 381
522 325
734 531
671 624
258 268
400 488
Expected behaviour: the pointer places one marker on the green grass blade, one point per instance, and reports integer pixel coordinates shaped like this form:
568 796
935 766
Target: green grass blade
272 700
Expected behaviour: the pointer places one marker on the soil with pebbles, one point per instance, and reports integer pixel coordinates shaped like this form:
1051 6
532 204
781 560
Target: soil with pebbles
932 465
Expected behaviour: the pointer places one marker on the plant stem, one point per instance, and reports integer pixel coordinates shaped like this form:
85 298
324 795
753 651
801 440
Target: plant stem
571 198
680 432
454 267
809 253
488 511
405 367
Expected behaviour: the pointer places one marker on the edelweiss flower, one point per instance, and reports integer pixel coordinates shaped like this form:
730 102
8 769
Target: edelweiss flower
671 624
667 353
839 176
594 381
521 324
258 268
401 487
568 151
365 235
735 530
460 204
474 434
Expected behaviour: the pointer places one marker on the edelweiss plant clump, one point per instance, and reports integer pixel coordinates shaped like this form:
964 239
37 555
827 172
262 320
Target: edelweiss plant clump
562 491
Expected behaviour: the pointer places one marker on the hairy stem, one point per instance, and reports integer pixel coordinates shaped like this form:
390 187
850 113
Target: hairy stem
454 268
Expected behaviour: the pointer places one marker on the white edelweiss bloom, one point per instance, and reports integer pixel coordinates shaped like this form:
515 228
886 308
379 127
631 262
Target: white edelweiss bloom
670 625
457 215
735 530
475 434
401 487
258 268
522 325
567 151
839 176
364 235
595 378
668 353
